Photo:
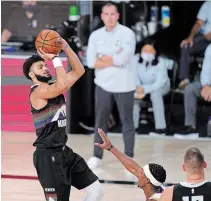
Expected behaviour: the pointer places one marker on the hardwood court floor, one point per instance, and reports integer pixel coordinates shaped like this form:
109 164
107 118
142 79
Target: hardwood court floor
17 153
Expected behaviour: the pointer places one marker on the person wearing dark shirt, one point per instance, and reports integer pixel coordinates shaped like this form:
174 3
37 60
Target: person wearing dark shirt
196 187
25 22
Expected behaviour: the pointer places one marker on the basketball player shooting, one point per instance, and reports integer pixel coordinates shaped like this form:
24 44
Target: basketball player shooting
58 167
150 177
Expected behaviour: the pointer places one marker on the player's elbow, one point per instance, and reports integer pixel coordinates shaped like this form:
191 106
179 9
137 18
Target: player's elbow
81 72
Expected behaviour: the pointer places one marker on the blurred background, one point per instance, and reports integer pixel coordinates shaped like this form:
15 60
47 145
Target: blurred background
166 22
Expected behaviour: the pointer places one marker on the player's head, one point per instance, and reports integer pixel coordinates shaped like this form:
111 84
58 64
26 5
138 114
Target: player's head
194 162
110 15
35 69
155 175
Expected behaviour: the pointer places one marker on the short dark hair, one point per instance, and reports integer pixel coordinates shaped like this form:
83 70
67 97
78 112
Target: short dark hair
110 3
152 43
158 172
194 158
29 62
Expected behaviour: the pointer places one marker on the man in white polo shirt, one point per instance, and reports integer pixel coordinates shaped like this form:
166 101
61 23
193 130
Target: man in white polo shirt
110 50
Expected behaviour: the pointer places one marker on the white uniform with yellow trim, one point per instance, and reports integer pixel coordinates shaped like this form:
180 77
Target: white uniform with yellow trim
155 196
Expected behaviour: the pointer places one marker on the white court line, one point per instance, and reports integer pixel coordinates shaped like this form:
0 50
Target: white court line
146 136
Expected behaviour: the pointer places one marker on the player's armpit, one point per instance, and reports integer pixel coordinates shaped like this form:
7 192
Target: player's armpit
167 194
45 91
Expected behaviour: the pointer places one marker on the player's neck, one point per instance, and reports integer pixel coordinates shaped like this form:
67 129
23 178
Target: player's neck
148 191
38 82
196 178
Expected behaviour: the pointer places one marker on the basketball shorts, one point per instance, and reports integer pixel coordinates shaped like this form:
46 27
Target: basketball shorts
59 169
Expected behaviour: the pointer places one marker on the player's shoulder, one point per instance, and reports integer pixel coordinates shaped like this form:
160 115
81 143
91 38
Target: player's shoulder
167 194
39 88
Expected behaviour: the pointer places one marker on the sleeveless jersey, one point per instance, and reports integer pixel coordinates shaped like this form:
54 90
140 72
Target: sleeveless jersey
50 123
192 192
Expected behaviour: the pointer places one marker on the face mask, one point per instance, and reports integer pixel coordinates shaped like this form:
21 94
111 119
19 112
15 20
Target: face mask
147 57
30 8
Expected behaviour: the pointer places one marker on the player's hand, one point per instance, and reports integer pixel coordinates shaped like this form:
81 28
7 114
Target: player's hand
206 93
46 56
65 44
187 42
106 142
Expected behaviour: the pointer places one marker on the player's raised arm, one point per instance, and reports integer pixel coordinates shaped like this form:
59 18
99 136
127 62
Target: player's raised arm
45 91
128 162
77 68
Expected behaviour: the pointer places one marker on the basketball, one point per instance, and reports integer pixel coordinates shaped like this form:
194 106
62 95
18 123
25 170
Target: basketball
49 41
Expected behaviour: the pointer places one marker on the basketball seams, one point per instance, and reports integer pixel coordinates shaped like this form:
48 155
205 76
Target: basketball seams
52 38
47 44
46 49
44 39
49 41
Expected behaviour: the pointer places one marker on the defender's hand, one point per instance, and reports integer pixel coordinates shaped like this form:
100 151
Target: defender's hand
106 142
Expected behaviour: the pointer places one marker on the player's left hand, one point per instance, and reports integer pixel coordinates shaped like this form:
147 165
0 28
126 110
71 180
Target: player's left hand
65 44
45 56
106 142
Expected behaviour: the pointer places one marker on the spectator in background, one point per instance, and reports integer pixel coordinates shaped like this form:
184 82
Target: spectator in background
84 20
192 92
25 22
110 50
196 42
151 78
206 75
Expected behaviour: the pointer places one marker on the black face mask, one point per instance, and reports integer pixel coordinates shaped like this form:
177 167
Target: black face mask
43 78
30 8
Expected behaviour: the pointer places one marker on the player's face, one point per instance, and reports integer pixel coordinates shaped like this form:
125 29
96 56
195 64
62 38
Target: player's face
142 184
110 16
41 72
